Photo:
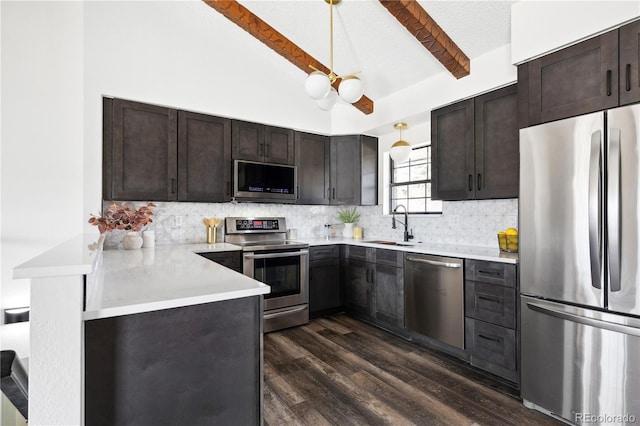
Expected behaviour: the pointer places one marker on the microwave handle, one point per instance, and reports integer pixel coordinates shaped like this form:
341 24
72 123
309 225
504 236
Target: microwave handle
280 254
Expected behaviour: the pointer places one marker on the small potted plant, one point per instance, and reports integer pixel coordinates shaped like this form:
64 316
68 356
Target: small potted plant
348 216
125 218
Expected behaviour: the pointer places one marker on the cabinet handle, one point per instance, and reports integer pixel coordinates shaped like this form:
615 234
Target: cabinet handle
628 77
609 74
479 182
334 193
297 192
492 273
470 182
373 277
174 186
490 299
492 339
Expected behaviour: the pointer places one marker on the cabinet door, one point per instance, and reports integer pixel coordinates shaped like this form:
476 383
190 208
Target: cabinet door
324 285
247 140
388 295
144 152
312 159
452 152
346 171
357 287
278 145
497 157
630 63
204 157
576 80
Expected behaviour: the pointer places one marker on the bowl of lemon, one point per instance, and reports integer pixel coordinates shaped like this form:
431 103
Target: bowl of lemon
508 240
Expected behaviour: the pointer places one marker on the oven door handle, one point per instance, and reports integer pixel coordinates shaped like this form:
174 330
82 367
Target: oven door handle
281 254
287 312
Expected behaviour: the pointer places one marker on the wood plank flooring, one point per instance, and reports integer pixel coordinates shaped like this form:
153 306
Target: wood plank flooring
340 371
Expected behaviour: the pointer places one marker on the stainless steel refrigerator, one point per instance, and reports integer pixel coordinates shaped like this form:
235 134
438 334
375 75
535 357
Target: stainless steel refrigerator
579 276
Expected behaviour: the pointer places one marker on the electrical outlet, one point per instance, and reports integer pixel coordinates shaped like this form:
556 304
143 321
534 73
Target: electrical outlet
177 221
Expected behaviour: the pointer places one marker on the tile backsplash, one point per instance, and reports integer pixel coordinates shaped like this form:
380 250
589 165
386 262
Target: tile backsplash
472 223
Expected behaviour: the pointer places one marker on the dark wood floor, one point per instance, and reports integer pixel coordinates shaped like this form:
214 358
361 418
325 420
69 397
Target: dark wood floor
340 371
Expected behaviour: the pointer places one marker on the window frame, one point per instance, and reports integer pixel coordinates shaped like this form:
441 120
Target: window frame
391 184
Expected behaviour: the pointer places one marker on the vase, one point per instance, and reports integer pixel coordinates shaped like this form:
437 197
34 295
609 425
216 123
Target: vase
132 241
347 232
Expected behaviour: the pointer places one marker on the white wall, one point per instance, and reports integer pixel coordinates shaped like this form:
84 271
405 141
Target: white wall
538 27
42 139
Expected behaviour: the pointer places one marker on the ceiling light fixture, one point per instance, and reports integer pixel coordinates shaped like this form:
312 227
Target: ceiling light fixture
319 85
401 150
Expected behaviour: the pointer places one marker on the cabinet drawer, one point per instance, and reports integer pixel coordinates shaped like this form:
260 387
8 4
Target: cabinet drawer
494 344
232 260
324 252
356 252
491 303
491 272
388 257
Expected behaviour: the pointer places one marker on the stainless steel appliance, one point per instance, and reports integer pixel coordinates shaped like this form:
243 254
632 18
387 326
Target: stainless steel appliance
280 263
254 181
579 275
434 299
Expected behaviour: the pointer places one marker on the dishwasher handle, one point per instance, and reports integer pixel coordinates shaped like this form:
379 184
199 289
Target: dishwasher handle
453 265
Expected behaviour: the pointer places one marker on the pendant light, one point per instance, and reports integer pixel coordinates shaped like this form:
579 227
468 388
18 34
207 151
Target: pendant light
401 150
319 85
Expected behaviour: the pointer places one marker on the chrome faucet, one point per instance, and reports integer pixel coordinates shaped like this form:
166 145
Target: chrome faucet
407 234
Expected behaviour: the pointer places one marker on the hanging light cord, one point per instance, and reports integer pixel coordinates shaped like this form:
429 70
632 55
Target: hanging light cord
332 75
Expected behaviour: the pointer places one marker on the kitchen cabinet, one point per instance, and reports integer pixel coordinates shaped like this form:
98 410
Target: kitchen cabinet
230 259
374 285
337 170
596 74
491 317
258 142
325 290
204 158
474 145
140 151
155 153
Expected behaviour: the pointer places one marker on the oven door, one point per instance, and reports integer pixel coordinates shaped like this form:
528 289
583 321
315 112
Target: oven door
286 272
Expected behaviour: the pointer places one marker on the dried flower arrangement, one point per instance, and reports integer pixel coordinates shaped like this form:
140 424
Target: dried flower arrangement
123 217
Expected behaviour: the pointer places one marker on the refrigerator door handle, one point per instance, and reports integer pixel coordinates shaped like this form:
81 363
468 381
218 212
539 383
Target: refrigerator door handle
595 195
606 325
613 207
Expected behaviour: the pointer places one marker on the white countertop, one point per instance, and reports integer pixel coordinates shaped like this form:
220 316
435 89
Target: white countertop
122 282
448 250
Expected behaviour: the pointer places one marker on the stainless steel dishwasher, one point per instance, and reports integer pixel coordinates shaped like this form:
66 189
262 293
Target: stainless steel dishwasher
434 297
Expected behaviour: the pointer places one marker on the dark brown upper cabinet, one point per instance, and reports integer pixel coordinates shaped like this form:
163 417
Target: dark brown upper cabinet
474 147
337 170
155 153
630 63
257 142
204 157
596 74
140 151
312 159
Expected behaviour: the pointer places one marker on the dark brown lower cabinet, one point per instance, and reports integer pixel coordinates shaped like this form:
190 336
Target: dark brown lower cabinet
325 289
195 365
230 259
491 318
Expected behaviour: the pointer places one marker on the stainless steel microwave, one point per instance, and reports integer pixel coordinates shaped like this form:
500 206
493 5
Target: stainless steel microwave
255 181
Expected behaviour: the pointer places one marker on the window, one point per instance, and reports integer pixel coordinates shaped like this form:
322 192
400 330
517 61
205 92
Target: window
410 183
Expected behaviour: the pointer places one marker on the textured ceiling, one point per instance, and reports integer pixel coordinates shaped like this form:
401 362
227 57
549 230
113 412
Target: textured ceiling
368 39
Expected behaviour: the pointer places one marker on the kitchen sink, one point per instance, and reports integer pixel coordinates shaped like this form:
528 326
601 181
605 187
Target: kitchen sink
390 243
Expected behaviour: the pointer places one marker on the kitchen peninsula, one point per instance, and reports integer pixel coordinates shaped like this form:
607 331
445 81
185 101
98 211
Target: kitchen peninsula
161 328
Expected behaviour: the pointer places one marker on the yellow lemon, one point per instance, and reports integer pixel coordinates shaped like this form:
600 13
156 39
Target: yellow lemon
511 231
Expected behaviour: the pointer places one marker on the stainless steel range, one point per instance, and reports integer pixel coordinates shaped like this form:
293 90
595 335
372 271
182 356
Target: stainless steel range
280 263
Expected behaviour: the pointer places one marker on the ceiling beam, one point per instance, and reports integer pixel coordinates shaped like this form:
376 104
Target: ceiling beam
427 31
268 35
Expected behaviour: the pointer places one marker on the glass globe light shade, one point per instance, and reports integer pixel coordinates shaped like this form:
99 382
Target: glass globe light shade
317 85
328 101
351 89
400 151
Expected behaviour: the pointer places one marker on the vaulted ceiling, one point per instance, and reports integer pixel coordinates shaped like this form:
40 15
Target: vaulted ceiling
394 44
